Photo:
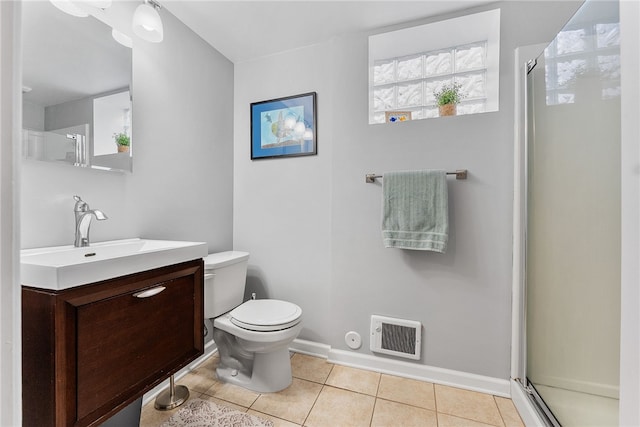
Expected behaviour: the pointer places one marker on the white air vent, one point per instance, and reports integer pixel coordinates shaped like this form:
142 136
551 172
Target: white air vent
397 337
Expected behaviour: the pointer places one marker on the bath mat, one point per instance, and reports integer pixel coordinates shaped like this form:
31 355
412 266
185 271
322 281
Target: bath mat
203 413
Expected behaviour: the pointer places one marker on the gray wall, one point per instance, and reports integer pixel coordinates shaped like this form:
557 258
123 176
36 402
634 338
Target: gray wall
312 225
181 187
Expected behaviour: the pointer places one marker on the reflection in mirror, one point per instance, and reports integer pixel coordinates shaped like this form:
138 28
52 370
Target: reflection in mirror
76 90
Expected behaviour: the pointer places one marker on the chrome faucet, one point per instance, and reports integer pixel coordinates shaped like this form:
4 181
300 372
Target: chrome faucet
83 221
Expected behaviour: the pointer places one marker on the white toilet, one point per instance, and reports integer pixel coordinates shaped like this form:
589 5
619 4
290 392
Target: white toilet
253 337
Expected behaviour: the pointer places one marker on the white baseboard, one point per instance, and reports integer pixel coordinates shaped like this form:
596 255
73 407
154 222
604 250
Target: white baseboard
464 380
525 407
495 386
311 348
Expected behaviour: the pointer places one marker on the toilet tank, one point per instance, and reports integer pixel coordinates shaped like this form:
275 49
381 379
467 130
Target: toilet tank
225 274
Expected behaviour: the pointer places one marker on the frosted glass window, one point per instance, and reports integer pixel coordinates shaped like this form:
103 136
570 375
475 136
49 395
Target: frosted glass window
473 85
471 58
471 108
410 68
433 86
438 63
406 66
410 95
384 98
384 72
431 113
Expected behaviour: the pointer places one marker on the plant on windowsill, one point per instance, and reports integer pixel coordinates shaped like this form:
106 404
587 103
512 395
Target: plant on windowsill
448 96
122 141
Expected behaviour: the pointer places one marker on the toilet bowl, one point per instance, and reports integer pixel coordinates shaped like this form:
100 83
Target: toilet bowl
253 337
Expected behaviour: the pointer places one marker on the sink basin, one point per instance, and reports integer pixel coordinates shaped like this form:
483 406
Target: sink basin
63 267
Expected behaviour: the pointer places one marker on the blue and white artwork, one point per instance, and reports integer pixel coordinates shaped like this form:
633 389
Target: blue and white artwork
284 127
281 127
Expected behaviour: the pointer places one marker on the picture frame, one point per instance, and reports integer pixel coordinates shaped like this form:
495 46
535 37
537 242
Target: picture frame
397 116
284 127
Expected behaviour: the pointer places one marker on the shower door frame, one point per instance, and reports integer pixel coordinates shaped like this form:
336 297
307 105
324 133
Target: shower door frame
524 397
630 281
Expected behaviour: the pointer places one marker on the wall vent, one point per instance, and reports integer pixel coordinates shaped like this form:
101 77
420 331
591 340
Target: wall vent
397 337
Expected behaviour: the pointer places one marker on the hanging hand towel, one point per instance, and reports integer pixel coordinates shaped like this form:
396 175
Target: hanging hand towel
415 210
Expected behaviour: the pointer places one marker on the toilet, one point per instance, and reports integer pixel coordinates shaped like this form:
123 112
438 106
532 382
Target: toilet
253 337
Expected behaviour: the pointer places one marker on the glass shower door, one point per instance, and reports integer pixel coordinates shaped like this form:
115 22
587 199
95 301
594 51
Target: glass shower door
573 221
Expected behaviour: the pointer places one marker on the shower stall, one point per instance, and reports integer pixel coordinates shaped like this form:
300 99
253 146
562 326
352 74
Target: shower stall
570 223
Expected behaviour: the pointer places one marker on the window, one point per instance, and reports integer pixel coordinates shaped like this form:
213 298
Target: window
407 66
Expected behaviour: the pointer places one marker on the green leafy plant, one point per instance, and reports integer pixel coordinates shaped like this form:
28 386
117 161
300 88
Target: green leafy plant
122 139
449 94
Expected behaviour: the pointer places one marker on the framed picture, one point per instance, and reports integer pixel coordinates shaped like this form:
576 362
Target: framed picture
284 127
397 116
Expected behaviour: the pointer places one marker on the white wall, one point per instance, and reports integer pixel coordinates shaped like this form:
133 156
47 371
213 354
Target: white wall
312 225
282 207
180 187
630 186
10 125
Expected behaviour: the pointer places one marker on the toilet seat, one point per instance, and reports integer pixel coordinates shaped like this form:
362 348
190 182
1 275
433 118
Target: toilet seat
266 315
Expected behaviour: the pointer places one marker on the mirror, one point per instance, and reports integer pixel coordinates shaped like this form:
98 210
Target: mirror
76 90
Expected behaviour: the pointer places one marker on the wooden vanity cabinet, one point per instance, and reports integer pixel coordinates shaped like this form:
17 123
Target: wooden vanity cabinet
89 351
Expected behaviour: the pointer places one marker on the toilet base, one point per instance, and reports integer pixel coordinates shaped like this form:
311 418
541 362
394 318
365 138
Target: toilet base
271 372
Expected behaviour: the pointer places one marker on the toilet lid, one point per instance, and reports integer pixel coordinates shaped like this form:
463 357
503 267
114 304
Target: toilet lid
266 315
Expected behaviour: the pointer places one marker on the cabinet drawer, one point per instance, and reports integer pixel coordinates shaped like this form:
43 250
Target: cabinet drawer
124 340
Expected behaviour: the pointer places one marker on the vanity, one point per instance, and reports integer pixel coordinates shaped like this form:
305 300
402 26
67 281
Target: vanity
104 324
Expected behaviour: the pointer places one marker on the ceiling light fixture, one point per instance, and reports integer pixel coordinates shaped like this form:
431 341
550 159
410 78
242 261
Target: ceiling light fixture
122 38
67 6
100 4
147 23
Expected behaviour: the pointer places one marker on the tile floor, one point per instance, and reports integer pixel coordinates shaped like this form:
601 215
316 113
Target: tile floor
324 394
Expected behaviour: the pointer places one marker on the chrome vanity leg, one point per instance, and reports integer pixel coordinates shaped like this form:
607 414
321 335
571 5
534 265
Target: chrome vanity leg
172 397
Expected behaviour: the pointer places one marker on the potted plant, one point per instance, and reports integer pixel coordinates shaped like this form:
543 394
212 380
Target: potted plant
123 141
448 96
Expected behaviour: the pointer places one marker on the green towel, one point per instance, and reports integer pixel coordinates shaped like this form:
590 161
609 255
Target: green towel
415 210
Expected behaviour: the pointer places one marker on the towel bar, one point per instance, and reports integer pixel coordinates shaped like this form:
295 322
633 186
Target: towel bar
460 174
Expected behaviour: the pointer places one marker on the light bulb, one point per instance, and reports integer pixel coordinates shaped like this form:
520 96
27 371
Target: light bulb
147 23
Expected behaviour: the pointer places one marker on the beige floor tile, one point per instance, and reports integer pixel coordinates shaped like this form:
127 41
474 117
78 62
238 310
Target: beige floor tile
232 393
509 412
445 420
388 413
354 379
310 368
277 422
337 407
223 403
405 390
292 404
467 404
199 380
151 417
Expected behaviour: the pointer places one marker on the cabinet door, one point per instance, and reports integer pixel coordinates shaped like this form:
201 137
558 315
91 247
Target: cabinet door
125 340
